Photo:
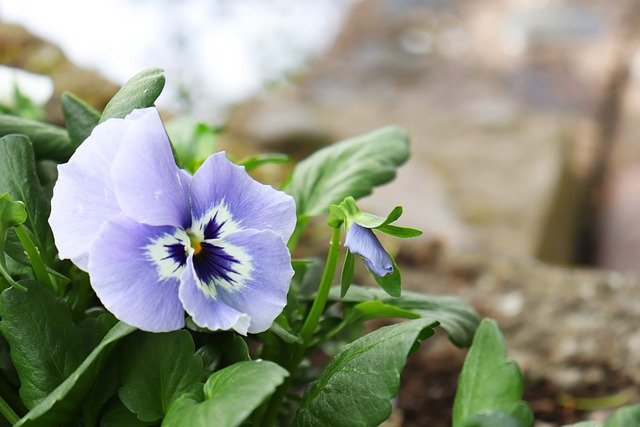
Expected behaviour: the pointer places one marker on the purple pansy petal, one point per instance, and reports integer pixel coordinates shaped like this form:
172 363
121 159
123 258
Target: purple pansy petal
148 185
185 179
135 270
260 289
363 242
240 201
207 310
83 196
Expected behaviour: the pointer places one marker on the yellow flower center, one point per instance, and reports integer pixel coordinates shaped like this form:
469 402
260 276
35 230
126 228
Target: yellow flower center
195 243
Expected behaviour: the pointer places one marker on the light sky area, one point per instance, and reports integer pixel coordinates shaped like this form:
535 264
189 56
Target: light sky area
216 52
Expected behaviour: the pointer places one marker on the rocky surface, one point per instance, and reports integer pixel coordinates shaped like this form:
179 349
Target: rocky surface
21 49
490 124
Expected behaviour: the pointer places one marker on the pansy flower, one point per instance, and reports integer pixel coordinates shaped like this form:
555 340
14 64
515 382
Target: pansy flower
362 241
158 242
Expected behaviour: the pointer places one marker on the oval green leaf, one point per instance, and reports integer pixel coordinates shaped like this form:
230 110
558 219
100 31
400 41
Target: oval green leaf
489 381
71 392
20 179
254 162
352 167
80 117
456 317
629 416
156 370
357 386
49 141
140 91
44 340
231 394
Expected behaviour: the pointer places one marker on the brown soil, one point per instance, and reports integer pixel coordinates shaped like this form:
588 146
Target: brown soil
429 384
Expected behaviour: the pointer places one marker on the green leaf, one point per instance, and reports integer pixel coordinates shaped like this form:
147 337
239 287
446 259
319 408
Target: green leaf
349 168
492 419
254 162
368 310
49 141
489 381
401 232
357 386
140 91
44 340
348 212
48 353
119 416
21 105
11 214
60 404
231 394
456 317
193 142
156 370
629 416
17 262
368 220
103 389
81 118
392 282
234 348
14 249
308 274
93 329
347 272
20 180
211 356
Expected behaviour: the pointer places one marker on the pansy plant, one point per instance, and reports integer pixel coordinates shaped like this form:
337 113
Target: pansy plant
362 241
205 257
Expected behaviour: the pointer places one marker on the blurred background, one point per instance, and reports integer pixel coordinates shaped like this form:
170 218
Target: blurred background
524 120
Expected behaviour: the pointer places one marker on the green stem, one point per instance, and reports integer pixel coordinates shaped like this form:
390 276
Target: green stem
323 290
34 256
7 412
308 328
10 280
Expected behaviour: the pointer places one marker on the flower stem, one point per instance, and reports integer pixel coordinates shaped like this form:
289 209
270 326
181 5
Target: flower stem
34 256
10 281
309 326
7 412
323 290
